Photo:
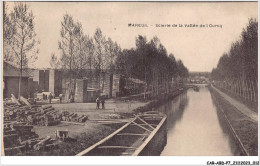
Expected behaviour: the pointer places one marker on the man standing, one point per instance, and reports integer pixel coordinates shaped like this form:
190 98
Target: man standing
50 97
103 103
60 96
98 103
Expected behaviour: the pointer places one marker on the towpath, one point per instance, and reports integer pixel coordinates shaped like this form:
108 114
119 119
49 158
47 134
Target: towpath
239 106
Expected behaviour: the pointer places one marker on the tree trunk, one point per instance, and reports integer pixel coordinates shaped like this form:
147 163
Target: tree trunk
20 78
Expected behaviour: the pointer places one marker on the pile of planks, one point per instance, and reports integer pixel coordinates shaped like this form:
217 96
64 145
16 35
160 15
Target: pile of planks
73 117
45 144
47 116
23 111
18 137
16 112
42 116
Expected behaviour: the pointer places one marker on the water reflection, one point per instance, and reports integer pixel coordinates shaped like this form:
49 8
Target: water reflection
224 125
194 127
177 107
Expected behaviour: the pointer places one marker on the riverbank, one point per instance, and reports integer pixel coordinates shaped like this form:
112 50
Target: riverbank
243 128
154 103
250 104
92 132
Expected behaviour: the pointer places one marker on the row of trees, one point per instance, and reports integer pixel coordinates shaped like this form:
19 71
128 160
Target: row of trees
237 70
20 43
150 62
84 56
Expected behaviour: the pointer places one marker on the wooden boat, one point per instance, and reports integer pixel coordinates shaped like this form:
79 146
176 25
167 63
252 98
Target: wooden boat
196 88
143 135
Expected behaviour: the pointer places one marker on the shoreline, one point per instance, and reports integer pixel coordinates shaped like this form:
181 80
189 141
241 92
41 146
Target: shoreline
96 132
243 129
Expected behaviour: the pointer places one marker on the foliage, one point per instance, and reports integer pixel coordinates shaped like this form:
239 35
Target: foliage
237 69
149 59
241 60
20 44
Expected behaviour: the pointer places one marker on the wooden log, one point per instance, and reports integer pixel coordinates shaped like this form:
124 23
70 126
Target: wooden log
72 116
24 100
10 136
65 113
47 110
14 100
63 118
11 113
84 119
74 123
21 127
46 106
48 146
52 113
9 132
41 143
78 119
14 148
32 139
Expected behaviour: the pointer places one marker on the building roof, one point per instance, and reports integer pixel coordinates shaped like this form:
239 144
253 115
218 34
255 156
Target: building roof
11 71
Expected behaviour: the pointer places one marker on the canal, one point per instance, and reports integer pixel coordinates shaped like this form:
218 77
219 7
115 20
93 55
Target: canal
196 128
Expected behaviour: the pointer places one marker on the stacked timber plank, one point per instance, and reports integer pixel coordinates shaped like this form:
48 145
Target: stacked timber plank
73 117
44 116
18 137
48 116
45 144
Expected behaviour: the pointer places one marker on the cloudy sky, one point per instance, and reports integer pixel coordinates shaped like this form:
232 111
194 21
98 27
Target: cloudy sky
198 48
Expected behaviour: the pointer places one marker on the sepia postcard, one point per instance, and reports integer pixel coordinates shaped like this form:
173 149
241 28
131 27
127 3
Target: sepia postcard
176 79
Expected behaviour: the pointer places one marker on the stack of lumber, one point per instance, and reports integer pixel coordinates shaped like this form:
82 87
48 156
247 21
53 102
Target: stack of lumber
73 117
48 116
18 137
44 116
45 144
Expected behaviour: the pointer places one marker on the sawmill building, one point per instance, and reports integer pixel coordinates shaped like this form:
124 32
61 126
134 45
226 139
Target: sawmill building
11 75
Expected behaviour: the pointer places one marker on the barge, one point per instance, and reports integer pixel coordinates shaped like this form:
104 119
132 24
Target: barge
144 135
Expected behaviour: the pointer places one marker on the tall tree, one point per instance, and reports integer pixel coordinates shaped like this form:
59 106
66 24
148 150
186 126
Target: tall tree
100 56
90 49
150 62
70 32
7 34
237 69
22 41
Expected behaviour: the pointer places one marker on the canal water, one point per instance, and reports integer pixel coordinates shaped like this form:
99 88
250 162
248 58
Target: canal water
195 127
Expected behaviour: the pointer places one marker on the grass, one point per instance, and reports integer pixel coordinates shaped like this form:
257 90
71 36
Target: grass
250 104
83 141
246 130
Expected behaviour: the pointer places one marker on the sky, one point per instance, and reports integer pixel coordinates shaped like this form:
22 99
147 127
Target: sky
198 47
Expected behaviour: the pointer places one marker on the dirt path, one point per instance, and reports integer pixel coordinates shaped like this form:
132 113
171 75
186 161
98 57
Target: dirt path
112 106
239 106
